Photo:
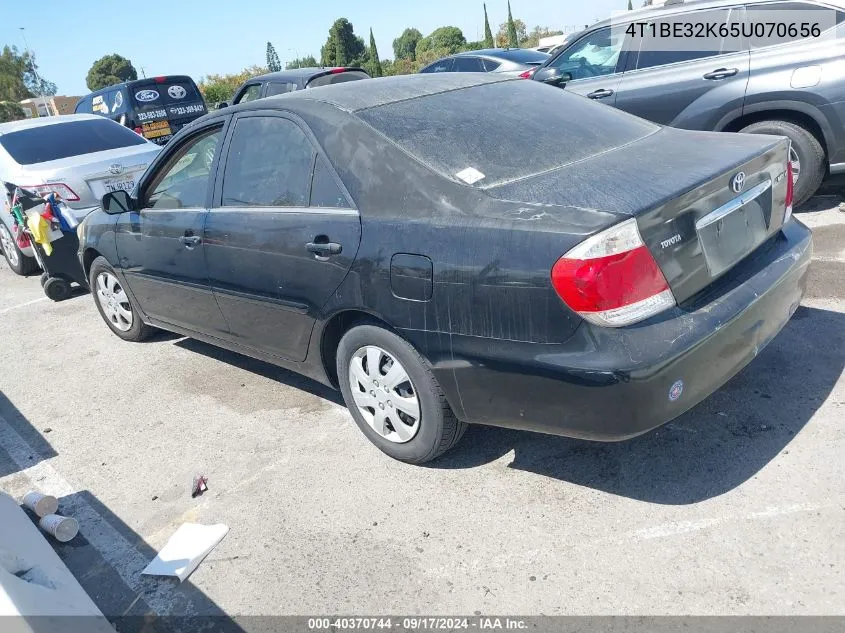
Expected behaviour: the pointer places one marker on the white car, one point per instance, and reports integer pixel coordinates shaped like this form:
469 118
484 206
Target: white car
79 156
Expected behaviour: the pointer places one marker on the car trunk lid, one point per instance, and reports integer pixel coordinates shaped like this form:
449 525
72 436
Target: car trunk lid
702 201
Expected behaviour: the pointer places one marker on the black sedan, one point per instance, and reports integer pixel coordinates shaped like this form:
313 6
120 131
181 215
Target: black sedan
460 249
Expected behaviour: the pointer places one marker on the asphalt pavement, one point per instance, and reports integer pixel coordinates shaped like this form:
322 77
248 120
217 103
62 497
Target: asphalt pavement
737 507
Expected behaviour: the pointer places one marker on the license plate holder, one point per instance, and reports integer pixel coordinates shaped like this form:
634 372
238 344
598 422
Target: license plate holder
119 184
733 236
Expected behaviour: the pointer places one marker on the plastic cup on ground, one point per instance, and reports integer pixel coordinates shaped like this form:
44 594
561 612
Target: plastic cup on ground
42 505
63 528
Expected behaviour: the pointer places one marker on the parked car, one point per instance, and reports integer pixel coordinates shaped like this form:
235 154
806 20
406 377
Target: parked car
156 107
387 243
284 81
78 156
509 61
792 88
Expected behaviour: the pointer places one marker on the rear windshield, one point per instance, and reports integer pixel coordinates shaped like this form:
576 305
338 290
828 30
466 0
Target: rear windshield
523 56
63 140
337 78
166 92
493 133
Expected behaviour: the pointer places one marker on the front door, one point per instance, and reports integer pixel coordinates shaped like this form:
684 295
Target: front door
594 62
160 246
694 88
280 237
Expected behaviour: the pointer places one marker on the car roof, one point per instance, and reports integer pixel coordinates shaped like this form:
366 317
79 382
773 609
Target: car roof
302 73
353 96
142 81
654 12
499 53
25 124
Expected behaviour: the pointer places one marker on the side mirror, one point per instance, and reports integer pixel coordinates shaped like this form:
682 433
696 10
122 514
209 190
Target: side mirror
222 104
115 202
552 76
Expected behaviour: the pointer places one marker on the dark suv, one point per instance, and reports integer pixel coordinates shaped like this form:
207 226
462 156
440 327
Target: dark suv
793 88
293 79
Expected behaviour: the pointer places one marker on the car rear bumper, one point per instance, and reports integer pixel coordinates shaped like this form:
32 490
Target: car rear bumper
612 384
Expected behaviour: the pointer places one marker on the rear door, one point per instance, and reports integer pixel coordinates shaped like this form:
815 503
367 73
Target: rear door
594 63
160 247
695 88
281 235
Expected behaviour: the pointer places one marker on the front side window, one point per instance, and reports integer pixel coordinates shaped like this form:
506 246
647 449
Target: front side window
251 93
268 165
182 183
594 55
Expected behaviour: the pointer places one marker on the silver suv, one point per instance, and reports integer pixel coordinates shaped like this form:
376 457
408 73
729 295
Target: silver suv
793 87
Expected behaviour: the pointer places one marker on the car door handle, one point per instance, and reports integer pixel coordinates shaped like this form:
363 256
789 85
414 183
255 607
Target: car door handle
324 249
721 73
190 240
600 94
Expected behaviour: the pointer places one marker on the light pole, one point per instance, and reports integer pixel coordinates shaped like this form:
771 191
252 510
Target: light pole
35 72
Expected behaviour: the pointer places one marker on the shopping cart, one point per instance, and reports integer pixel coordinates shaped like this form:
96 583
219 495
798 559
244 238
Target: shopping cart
58 257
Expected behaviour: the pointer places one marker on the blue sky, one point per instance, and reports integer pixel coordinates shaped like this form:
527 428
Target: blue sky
224 36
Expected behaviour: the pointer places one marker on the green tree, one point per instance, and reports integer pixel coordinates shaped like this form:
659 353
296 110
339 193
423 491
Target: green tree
488 34
375 63
503 36
273 63
217 88
302 62
447 38
343 47
475 46
19 78
405 46
10 111
513 38
110 70
630 5
533 38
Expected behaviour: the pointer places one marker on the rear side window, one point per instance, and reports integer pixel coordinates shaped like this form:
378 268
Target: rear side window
165 92
63 140
325 191
337 78
279 88
537 129
654 52
491 64
268 165
468 65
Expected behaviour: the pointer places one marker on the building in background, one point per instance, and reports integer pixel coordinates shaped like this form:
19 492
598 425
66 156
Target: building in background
48 106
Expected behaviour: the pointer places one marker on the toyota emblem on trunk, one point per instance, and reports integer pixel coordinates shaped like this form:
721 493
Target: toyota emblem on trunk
738 182
115 169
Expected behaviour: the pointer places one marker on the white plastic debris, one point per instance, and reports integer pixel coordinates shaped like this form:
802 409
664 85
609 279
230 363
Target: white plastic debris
470 175
186 549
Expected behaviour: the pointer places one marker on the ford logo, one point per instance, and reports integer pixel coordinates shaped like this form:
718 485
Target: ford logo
738 182
115 169
147 95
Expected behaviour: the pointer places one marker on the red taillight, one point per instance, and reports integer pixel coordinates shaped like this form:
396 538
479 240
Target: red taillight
159 80
60 189
611 279
527 74
790 191
335 71
139 131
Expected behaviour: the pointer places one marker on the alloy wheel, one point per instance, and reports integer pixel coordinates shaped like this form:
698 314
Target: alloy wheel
8 245
114 302
384 394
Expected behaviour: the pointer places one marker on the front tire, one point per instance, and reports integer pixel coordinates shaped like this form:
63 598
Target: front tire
113 303
394 397
807 155
17 261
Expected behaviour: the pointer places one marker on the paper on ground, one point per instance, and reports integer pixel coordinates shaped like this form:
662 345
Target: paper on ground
185 550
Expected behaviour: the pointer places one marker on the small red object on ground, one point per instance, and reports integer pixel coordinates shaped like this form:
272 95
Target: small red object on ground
199 486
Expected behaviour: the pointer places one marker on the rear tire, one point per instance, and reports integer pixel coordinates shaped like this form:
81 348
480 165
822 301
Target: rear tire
436 429
113 303
17 261
808 150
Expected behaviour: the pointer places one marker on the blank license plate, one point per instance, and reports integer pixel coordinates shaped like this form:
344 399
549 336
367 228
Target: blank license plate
731 238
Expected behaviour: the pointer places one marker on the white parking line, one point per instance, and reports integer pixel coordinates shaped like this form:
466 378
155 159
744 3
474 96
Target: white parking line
23 305
113 547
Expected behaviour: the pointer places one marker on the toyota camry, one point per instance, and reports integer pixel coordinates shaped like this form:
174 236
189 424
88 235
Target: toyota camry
461 249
